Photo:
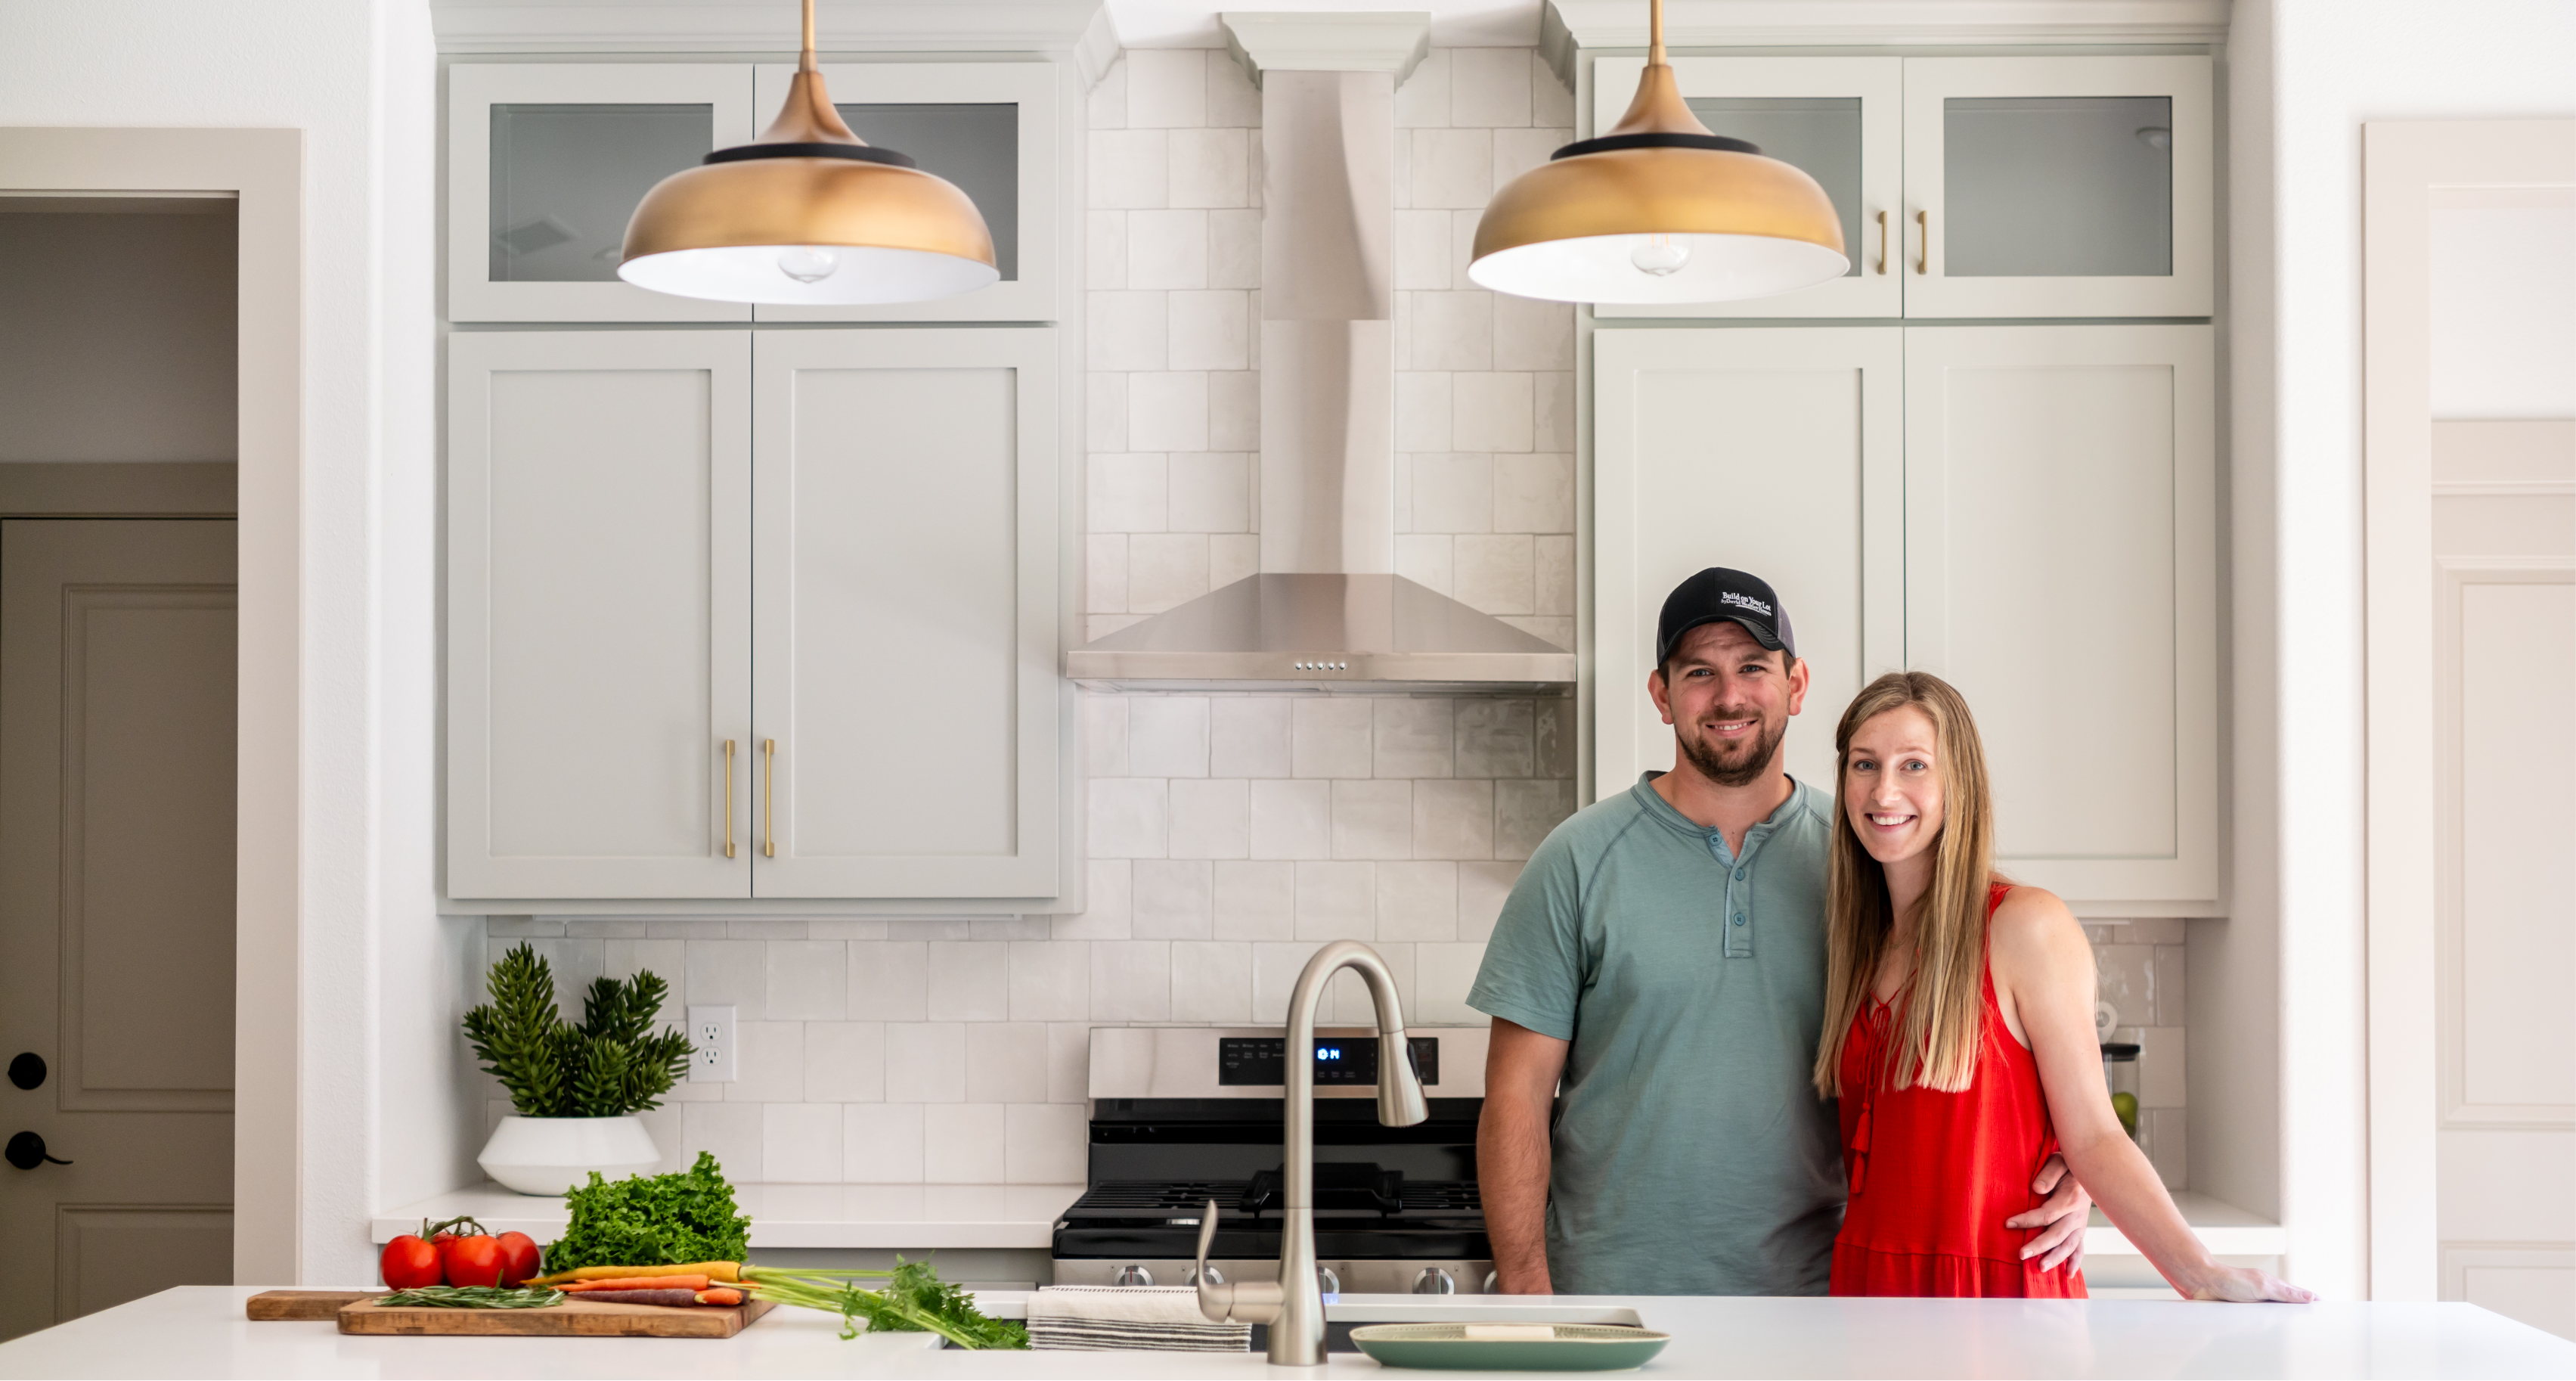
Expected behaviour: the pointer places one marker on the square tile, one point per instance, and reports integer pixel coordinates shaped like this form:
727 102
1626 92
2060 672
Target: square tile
1422 411
1533 493
1453 493
1210 168
1423 101
1106 106
845 1061
1104 249
1451 330
1233 412
769 1066
1128 493
925 1061
1453 819
801 1143
1331 736
1489 86
1347 1002
1234 248
1232 557
1554 423
1248 736
1552 575
1129 817
889 980
1525 811
1417 901
1104 735
1555 737
1256 901
961 1143
1167 735
1165 569
1372 819
1110 890
1044 1143
969 980
1482 890
2126 980
1166 88
2171 1009
1551 100
1210 819
1232 99
1211 330
1275 967
1442 974
1427 560
1291 819
1006 1062
1068 1066
1167 412
1497 574
1412 735
1126 331
1128 170
1172 900
1211 492
1491 412
809 980
1131 980
1050 980
1528 334
1104 574
1495 737
1423 242
1336 901
881 1143
731 1132
720 971
1104 411
1450 167
1211 980
1516 151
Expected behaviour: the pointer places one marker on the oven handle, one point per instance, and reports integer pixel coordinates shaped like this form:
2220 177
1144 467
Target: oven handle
1252 1301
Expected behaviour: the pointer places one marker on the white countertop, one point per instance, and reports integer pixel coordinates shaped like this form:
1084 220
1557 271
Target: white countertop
200 1331
799 1215
1023 1215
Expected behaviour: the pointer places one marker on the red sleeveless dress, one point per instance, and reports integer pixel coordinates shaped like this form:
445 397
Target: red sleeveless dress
1934 1175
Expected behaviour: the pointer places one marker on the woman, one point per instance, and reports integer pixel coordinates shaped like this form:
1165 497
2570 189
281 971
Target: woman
1959 1032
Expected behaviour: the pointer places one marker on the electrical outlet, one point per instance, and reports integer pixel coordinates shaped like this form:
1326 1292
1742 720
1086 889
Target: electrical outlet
711 1031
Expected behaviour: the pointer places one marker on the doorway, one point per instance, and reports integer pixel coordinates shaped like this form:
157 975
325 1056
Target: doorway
118 749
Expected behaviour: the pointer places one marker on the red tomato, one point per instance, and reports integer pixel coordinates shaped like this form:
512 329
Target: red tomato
519 1257
409 1263
471 1260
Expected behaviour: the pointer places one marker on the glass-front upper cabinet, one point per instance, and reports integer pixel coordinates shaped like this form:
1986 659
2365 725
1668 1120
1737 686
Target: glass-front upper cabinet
988 127
545 163
2058 186
1838 119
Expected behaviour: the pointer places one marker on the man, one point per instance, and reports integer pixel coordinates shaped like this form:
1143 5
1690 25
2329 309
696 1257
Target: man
1663 955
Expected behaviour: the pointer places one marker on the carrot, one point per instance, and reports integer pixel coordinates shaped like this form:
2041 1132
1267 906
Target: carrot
720 1296
690 1283
728 1271
667 1299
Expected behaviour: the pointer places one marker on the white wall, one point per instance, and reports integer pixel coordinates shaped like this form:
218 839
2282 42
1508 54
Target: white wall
356 77
2307 74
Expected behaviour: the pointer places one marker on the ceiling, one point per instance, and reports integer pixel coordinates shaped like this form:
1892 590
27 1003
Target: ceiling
1454 23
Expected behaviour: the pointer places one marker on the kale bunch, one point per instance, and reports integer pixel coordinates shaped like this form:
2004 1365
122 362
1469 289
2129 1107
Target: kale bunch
653 1220
610 1065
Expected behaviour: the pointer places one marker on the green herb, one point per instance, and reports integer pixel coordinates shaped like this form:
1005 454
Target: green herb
472 1297
610 1065
913 1300
653 1220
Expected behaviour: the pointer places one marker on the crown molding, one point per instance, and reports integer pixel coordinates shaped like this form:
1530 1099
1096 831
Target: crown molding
1769 23
1057 28
1392 41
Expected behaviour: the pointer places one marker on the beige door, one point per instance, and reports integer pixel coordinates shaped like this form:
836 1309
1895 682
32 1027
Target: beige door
116 910
2504 618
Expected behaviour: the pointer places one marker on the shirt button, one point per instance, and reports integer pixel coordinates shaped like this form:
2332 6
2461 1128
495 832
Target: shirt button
1739 918
1739 875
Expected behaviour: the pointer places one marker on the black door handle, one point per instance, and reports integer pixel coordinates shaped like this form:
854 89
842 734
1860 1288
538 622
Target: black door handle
27 1151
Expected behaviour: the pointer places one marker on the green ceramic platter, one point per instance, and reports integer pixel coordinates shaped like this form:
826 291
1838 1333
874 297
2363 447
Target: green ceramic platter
1446 1347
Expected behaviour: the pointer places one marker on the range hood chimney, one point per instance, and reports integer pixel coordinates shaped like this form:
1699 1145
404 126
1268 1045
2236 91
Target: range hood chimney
1327 609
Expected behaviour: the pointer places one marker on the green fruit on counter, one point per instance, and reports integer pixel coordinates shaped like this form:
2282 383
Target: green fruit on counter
2126 1105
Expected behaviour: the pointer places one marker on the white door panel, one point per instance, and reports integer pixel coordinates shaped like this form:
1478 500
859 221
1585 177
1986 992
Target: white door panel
1774 452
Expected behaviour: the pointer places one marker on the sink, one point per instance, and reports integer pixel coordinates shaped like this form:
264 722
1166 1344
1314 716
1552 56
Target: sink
1346 1312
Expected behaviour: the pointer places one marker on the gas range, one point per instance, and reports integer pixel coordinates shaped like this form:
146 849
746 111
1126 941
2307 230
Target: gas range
1182 1116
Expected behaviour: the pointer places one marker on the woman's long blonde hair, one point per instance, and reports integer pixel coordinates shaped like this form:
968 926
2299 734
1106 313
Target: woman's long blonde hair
1940 1016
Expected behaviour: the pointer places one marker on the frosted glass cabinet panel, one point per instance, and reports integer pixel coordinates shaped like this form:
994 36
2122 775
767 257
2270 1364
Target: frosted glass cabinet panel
990 128
546 163
1695 430
2073 186
1837 119
2061 558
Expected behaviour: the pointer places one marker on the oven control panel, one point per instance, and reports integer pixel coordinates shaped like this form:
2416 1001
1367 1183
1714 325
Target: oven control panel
1263 1060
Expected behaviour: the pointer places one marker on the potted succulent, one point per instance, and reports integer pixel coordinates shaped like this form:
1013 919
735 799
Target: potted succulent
575 1089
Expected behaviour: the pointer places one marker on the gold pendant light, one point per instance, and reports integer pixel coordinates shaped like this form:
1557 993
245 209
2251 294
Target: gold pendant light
807 213
1658 210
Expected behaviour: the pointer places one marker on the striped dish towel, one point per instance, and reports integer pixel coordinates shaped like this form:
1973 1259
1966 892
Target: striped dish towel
1148 1318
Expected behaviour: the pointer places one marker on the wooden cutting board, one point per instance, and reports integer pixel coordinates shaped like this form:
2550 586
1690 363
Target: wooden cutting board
302 1306
575 1318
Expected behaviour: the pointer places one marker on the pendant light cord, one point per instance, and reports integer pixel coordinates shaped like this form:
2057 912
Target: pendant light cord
1654 31
805 59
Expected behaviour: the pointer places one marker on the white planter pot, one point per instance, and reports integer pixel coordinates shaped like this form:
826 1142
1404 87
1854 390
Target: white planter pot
549 1155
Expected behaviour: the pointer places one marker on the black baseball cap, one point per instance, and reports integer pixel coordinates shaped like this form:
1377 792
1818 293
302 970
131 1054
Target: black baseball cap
1733 596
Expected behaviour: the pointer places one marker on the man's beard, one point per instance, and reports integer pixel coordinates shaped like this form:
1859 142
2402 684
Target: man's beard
1741 763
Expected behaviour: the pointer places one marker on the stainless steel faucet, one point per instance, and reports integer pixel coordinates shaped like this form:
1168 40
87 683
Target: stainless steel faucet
1294 1307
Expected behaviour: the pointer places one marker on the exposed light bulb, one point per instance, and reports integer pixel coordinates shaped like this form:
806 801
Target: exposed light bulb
1659 256
806 264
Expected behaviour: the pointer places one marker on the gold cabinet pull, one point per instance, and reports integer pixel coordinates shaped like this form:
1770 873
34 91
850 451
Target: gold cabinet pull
728 798
1882 242
769 798
1923 219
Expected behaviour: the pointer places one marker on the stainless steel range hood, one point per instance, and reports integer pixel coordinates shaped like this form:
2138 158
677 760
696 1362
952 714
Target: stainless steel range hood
1327 609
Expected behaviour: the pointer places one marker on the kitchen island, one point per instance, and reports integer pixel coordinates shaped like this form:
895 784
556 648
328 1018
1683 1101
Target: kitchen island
200 1331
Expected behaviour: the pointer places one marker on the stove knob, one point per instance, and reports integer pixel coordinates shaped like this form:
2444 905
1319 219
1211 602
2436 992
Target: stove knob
1214 1276
1435 1281
1493 1279
1133 1275
1325 1277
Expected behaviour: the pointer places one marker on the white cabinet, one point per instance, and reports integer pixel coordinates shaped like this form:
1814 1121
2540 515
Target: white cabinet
598 613
1775 452
2029 511
905 578
1974 187
546 161
746 616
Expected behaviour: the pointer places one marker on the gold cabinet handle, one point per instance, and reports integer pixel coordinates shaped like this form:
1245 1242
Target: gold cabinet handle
1882 242
769 798
1923 219
728 798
